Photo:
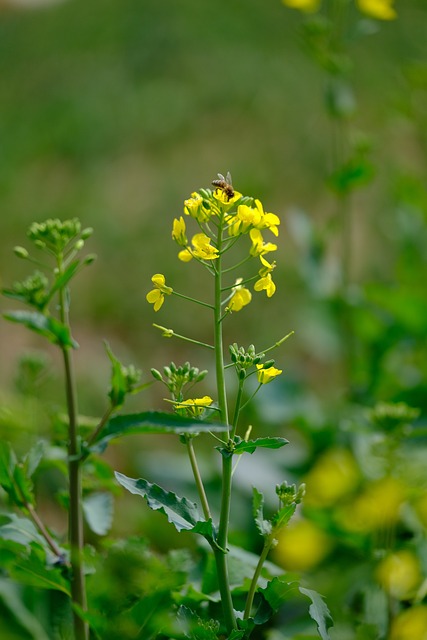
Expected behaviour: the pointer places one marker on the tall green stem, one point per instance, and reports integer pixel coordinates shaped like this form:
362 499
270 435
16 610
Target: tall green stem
227 460
75 524
254 583
198 478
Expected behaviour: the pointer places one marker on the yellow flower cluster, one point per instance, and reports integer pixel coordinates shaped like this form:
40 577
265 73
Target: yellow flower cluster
378 9
223 215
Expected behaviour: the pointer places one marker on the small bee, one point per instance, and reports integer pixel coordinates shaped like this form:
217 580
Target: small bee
225 184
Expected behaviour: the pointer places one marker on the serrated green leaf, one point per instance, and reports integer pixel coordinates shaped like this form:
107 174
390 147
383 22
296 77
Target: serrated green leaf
33 571
263 526
277 592
180 512
249 446
46 326
98 511
194 627
153 422
282 517
319 612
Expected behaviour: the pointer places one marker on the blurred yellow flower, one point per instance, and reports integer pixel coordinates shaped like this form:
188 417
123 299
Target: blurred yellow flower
157 295
301 546
245 218
303 5
379 9
377 507
399 574
267 375
410 624
334 476
240 298
221 196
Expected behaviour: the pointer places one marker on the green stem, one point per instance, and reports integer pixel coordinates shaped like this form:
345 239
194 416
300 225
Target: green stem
227 460
222 540
99 428
254 583
198 478
75 525
237 408
181 295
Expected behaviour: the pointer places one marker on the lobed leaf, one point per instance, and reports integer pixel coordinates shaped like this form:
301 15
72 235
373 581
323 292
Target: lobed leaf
180 512
263 526
153 422
319 612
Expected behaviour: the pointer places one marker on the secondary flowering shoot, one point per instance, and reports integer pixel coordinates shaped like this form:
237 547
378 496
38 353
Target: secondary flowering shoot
156 296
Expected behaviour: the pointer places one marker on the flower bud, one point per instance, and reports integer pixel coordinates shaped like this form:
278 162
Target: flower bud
86 233
90 258
20 252
157 375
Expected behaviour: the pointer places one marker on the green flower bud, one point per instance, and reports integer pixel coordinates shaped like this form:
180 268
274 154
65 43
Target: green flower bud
90 258
86 233
157 375
20 252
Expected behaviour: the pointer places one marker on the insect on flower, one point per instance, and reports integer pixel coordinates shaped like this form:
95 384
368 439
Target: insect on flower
225 184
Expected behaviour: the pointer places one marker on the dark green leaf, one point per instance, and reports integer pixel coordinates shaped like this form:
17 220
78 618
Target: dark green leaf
267 443
277 592
33 571
282 517
263 526
45 326
33 458
119 385
98 511
11 597
153 422
195 628
319 612
7 465
180 512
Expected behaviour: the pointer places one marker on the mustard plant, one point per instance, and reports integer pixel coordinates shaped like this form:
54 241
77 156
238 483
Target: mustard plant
36 556
231 238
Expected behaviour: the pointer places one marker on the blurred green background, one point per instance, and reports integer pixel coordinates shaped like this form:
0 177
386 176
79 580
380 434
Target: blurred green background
115 111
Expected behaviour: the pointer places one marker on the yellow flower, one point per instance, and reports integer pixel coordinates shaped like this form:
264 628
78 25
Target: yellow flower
267 375
399 574
245 218
178 232
334 476
240 298
260 247
157 295
195 406
267 220
410 624
377 507
303 5
266 283
379 9
301 546
221 196
202 247
194 207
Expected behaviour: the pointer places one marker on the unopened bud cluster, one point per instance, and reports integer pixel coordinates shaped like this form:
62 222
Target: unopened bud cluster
290 494
176 378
